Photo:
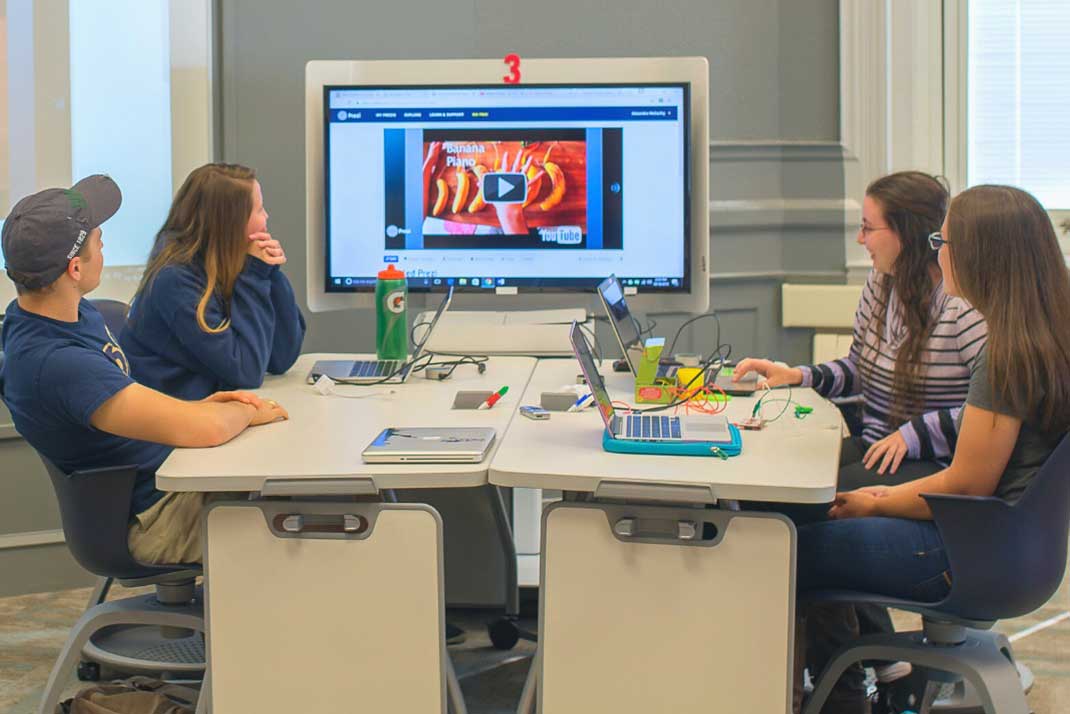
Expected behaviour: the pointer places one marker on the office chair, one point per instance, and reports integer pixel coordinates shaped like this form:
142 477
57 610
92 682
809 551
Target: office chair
94 508
1006 561
114 313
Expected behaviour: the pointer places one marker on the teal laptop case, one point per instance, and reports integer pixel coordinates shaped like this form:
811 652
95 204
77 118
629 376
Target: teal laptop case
678 448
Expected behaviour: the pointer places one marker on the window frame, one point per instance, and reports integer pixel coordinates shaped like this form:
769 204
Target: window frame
955 69
914 51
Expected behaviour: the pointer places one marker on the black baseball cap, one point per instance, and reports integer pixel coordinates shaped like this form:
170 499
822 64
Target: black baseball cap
45 230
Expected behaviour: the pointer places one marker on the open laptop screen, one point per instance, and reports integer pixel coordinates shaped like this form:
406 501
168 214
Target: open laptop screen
442 307
590 372
620 317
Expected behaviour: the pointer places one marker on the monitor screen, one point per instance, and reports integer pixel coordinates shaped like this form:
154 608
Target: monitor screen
536 187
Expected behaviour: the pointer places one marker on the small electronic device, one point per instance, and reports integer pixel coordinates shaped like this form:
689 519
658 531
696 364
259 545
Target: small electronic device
533 412
653 433
446 445
378 371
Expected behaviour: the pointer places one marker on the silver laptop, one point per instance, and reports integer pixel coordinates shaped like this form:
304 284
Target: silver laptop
438 445
626 329
655 427
378 371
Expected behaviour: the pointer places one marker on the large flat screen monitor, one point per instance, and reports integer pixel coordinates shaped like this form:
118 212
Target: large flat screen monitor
545 186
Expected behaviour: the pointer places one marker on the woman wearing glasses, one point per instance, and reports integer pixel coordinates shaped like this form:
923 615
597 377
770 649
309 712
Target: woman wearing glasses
910 360
998 250
913 343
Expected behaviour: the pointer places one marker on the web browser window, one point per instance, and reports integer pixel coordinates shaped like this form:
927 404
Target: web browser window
550 187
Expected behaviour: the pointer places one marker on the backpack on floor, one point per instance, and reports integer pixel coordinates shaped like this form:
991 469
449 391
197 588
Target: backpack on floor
136 695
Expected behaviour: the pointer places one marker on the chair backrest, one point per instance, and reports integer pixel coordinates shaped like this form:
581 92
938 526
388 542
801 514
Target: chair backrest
1007 560
94 506
114 313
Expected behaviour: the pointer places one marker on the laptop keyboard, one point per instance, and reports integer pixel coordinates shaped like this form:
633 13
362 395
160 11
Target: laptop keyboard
375 368
651 426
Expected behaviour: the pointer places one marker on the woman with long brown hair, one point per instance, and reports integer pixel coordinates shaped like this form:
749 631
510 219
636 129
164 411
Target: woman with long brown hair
913 343
213 310
997 250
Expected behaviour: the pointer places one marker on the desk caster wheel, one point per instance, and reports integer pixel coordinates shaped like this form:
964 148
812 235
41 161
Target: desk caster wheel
504 634
88 672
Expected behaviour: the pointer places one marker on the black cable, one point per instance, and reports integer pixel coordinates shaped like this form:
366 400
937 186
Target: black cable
413 365
695 319
478 360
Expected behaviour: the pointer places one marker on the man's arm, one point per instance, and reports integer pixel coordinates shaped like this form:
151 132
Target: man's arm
137 412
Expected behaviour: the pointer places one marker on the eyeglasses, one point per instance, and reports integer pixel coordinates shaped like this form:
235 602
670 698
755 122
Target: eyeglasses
936 240
864 229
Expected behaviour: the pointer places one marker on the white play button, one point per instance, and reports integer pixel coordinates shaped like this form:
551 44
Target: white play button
504 187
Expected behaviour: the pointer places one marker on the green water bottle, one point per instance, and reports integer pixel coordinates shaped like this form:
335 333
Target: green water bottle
391 323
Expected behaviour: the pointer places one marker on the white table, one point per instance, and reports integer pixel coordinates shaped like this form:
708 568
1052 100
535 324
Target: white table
316 453
641 606
324 436
790 460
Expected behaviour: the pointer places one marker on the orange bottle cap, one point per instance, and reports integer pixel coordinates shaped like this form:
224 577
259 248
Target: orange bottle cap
391 273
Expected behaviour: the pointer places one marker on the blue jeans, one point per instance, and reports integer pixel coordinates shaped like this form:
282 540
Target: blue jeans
889 556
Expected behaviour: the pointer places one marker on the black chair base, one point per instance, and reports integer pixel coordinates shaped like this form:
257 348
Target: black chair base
982 659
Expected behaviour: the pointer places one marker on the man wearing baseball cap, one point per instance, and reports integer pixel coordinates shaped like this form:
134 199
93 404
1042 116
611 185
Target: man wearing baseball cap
66 380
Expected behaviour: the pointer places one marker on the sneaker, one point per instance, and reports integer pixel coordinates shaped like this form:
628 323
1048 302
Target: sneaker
455 635
892 671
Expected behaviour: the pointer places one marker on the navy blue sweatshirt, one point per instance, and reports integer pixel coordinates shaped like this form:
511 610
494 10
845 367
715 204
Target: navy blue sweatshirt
168 350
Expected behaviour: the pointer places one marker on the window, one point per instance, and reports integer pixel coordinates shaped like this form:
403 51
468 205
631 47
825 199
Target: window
120 88
1018 101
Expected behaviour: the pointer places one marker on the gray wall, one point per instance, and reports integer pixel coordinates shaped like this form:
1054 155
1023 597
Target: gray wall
773 122
776 173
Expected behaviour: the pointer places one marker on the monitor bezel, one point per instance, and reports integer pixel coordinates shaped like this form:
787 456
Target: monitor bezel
693 71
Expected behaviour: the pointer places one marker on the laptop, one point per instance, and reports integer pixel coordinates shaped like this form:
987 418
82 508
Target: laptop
445 445
626 329
650 428
378 371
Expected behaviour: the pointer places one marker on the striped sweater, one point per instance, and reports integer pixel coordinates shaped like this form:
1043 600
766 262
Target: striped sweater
957 337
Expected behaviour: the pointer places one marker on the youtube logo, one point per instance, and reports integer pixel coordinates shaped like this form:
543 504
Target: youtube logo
505 187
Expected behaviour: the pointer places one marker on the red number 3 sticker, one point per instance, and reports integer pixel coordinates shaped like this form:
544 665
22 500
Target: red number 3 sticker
514 69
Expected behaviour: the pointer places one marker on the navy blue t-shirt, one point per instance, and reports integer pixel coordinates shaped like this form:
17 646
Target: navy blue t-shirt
56 374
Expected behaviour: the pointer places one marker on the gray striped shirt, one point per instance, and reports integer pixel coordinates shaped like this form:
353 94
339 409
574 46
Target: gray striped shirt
958 334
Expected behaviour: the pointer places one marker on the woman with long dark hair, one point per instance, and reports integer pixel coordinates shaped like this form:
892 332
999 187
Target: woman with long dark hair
913 347
997 250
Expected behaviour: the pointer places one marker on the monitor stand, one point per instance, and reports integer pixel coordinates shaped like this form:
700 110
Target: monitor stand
542 333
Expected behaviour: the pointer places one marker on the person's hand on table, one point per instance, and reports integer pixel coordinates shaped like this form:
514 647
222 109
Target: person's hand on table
269 411
889 451
775 374
235 396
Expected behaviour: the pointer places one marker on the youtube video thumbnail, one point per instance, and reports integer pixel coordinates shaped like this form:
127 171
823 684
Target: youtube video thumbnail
510 188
